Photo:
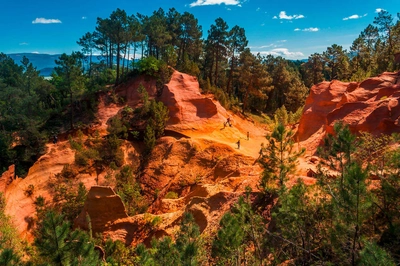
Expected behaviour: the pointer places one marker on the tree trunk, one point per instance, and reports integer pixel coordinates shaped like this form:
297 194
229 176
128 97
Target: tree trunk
216 67
228 86
90 63
72 110
118 58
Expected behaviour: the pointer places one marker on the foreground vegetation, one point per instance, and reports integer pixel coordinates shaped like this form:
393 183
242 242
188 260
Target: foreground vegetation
346 218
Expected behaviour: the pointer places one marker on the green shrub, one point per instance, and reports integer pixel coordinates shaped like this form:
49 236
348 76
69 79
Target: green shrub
29 191
149 65
149 139
281 116
117 127
294 118
171 195
68 171
40 201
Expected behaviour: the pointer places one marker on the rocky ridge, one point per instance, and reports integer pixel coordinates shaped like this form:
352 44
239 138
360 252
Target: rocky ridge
371 106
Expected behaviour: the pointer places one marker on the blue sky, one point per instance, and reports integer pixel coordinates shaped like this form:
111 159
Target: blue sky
293 29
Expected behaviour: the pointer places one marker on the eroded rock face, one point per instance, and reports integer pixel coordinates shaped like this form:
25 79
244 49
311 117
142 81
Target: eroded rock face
188 108
103 207
6 178
372 106
129 90
178 165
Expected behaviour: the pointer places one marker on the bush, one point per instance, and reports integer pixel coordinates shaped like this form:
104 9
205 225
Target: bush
149 139
40 201
29 191
281 116
149 65
117 127
68 171
294 118
171 195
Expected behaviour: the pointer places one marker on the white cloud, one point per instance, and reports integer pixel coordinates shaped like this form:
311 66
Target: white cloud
23 43
84 17
215 2
282 15
45 21
355 16
35 52
274 17
311 29
378 10
284 52
267 46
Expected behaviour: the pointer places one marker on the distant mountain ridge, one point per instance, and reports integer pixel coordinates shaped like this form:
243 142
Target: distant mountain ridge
45 63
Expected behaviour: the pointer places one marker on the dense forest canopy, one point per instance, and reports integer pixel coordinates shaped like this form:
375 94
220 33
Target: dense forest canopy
344 223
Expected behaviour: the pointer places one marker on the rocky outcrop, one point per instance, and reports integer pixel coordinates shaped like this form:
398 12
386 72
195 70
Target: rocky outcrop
371 106
179 165
7 177
129 90
102 206
188 108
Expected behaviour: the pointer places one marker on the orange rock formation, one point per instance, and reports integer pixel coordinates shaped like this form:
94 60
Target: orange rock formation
371 106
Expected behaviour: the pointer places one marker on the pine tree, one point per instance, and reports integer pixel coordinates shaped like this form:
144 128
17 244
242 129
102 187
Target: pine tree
297 215
58 246
278 158
349 200
166 252
149 139
188 241
373 255
144 257
8 257
240 237
228 243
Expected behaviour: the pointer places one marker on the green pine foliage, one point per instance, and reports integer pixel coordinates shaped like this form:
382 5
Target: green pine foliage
374 255
8 257
129 191
149 139
11 248
240 237
57 245
188 248
278 158
188 241
298 215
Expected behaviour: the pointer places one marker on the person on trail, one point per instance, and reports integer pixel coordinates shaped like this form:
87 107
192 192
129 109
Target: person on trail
55 139
261 152
238 143
228 121
248 135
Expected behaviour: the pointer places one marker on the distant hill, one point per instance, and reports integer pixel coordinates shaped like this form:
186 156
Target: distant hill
46 72
45 63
